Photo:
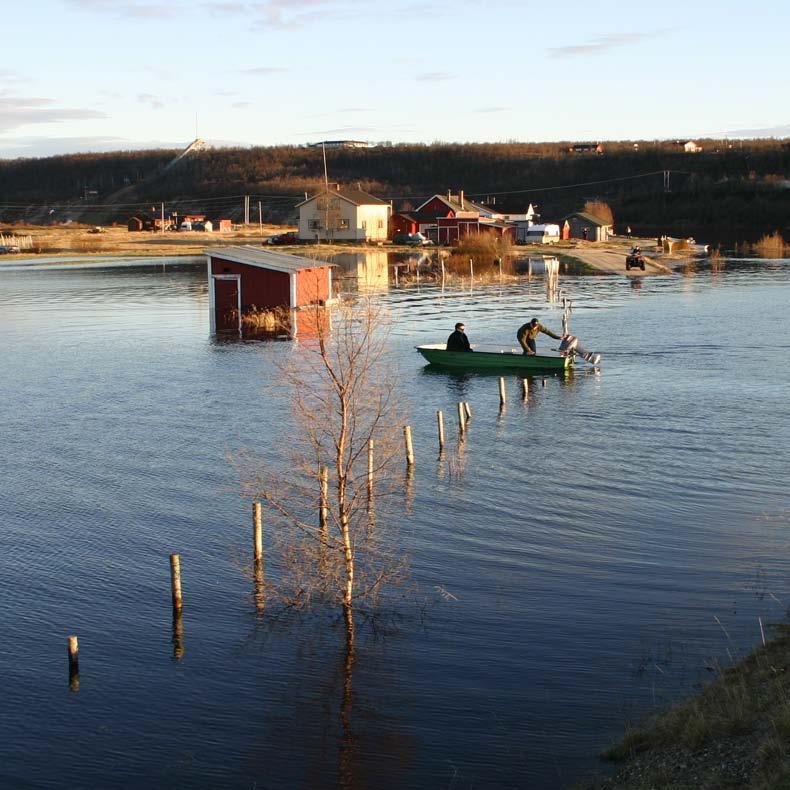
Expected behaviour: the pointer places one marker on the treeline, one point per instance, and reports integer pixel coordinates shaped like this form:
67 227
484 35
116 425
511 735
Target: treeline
730 191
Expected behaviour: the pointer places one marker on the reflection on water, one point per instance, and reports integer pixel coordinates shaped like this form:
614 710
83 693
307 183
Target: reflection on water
568 553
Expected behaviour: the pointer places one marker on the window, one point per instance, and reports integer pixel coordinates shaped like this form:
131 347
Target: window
364 224
343 224
314 224
381 224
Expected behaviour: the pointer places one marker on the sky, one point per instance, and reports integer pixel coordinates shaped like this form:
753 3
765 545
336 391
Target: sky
106 75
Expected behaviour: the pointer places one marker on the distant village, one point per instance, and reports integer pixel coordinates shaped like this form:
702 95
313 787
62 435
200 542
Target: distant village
342 213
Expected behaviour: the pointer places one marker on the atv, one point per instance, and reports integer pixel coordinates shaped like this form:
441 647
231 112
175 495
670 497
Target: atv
635 261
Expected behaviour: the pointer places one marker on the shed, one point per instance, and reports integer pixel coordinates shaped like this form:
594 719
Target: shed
135 224
246 282
588 227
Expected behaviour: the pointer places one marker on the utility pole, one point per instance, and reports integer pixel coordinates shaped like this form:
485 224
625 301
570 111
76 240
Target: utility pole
260 218
163 217
246 209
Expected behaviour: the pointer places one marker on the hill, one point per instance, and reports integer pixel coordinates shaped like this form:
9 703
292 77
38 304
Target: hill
730 191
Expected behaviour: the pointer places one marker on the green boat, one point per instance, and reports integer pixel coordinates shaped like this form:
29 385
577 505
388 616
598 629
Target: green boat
504 359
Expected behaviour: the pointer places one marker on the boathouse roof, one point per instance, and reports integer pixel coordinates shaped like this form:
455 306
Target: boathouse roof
265 259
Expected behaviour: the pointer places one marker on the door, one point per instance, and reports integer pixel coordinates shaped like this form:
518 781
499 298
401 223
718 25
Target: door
227 304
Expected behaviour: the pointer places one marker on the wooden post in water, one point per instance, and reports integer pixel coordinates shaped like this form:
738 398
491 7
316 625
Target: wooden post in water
396 275
257 533
175 581
467 410
323 506
409 447
543 382
501 391
441 260
471 270
525 387
461 417
440 423
74 663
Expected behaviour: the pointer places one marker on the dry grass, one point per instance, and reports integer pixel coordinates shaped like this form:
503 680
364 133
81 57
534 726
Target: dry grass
80 240
747 706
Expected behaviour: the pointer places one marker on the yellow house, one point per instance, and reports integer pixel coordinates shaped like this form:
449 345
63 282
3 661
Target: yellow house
343 214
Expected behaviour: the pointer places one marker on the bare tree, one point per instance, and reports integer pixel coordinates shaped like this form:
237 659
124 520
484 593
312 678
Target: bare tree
600 209
330 544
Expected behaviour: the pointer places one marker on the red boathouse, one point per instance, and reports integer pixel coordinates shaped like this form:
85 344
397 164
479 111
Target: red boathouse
249 281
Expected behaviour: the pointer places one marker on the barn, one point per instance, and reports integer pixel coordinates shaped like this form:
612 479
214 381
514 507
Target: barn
248 285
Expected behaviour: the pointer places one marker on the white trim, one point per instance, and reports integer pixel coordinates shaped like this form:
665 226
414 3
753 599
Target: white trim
293 291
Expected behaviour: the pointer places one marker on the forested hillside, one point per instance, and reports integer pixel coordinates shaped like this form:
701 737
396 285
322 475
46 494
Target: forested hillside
731 191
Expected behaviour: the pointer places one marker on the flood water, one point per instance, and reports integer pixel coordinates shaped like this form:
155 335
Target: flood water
569 580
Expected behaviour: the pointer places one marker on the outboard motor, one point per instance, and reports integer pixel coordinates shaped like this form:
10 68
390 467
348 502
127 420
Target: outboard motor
569 345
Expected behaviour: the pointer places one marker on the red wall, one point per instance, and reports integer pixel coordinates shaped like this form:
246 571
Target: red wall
436 208
263 288
312 285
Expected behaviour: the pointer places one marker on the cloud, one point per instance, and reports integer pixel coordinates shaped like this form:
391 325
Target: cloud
434 76
766 131
601 44
152 101
340 130
240 105
492 109
129 8
18 111
263 71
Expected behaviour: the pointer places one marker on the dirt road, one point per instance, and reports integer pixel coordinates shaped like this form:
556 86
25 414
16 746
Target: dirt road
612 261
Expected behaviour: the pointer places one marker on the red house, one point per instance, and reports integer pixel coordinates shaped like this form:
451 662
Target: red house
245 283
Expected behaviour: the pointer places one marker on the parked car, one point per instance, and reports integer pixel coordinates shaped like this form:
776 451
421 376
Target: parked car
186 226
8 248
418 240
291 237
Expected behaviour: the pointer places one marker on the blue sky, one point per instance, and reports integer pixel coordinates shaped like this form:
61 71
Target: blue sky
98 75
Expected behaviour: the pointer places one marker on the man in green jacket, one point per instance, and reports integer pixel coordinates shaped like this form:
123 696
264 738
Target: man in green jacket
528 332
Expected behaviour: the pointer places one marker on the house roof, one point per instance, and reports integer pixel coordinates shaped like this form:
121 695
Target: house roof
455 205
265 259
355 196
589 218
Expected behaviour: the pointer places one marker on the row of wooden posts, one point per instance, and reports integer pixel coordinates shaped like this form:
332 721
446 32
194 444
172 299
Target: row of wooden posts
464 415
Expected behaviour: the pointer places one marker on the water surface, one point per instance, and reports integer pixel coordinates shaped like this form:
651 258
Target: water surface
589 546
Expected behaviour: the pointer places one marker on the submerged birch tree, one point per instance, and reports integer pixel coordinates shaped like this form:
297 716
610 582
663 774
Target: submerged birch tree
331 535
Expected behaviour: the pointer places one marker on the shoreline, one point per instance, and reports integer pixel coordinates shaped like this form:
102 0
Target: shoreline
56 246
733 733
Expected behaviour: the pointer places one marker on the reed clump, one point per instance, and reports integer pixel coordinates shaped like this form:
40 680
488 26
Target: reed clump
274 321
771 245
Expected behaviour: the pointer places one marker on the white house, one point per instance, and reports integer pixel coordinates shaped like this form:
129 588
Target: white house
343 214
691 147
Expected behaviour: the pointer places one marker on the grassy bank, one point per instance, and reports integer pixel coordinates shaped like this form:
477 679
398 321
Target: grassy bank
735 734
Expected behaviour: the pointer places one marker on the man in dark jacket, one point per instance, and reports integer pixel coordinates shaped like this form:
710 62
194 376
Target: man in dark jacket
528 332
458 341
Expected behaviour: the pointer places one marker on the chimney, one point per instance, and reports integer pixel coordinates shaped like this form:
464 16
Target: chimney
337 187
461 199
449 195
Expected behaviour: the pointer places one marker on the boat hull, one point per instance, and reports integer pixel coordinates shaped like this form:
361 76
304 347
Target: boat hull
488 360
